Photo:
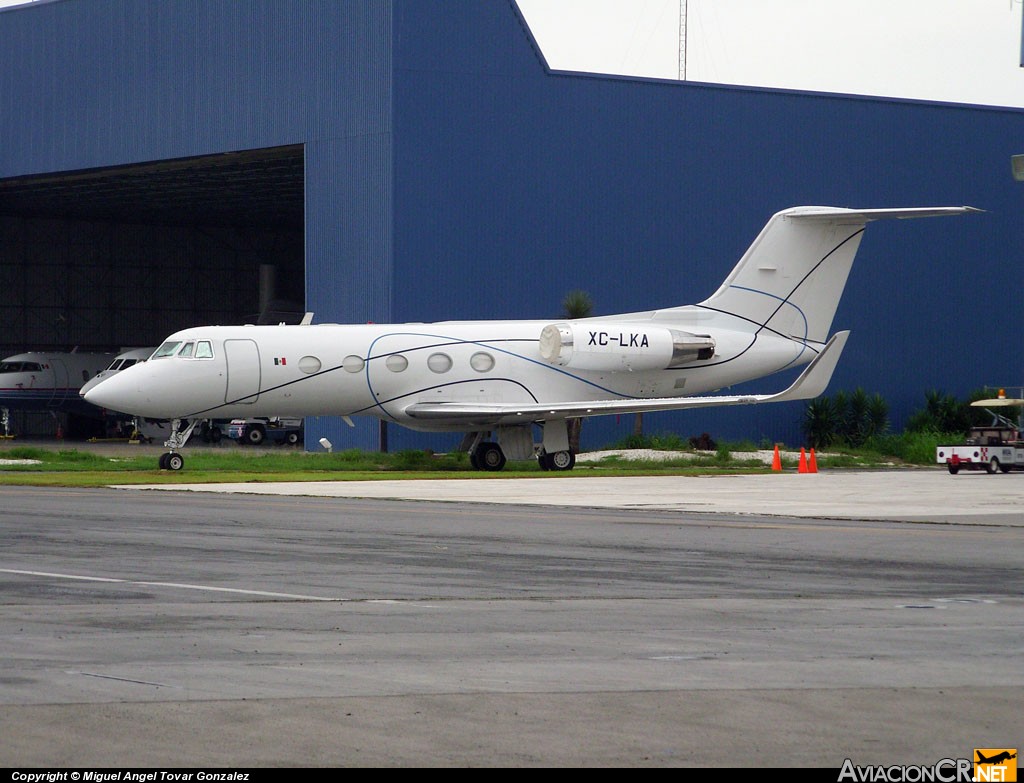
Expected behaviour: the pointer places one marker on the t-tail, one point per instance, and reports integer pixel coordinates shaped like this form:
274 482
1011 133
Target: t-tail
790 280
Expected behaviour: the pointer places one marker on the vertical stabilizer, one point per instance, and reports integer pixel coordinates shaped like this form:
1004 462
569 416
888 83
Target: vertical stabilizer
791 278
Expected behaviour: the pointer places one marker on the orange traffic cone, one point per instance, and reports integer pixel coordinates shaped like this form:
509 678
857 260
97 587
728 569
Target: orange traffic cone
776 460
812 463
802 468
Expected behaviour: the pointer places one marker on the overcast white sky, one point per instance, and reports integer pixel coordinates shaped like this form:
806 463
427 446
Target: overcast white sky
965 51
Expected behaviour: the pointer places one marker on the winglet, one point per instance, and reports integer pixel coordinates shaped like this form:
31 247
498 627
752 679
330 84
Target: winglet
815 379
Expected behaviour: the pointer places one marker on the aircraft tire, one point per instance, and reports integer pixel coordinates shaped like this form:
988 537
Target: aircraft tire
544 460
490 456
215 434
562 460
175 461
473 461
163 461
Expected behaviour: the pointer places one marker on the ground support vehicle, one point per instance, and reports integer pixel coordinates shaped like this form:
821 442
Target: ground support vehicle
993 448
256 431
986 448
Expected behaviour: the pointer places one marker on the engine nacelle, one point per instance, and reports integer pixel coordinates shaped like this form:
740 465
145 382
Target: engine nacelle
618 346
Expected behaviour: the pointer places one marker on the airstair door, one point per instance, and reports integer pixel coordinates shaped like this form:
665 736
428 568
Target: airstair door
61 381
243 371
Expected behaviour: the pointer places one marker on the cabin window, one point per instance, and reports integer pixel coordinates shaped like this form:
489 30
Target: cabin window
204 349
439 362
353 363
186 350
310 364
481 362
167 349
396 362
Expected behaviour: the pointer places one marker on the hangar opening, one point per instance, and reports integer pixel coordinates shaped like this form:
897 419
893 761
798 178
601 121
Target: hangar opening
111 258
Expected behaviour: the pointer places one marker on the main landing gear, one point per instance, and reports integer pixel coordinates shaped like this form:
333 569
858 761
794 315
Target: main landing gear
181 429
560 460
516 443
487 456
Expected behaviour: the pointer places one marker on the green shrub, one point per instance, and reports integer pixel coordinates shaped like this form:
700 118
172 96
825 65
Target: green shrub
847 419
665 441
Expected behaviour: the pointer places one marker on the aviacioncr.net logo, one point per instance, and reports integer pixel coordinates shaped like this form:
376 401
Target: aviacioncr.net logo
943 771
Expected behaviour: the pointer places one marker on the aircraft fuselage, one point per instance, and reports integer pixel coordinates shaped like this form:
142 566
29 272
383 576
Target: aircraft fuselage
380 370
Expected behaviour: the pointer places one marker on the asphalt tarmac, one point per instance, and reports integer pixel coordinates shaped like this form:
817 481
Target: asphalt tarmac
783 620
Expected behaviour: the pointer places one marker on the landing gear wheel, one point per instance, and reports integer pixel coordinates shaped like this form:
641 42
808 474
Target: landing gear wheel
562 460
489 456
215 434
175 461
993 466
473 461
544 460
163 461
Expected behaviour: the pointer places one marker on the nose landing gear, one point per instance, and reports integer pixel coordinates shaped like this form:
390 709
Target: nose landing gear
176 440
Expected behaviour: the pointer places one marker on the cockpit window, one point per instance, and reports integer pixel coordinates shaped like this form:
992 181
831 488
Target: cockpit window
167 349
204 350
116 364
186 350
128 363
19 367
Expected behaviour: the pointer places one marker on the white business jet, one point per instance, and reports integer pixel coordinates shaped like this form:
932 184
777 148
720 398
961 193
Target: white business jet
497 380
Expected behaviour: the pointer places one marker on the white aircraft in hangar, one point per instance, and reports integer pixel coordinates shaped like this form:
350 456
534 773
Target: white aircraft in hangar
48 382
496 380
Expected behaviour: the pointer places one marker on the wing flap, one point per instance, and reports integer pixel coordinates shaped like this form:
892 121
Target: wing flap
811 382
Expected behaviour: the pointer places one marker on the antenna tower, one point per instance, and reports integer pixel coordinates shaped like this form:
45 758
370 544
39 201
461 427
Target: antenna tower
682 40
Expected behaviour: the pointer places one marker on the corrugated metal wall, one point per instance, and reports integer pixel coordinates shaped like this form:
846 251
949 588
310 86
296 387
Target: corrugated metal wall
88 83
449 175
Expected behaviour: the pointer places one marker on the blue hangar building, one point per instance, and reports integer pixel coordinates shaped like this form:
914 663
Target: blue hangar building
171 164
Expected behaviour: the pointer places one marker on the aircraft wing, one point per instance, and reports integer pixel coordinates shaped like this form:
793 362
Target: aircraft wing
811 382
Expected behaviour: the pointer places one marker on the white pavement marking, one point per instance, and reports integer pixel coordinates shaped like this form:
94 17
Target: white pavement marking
261 593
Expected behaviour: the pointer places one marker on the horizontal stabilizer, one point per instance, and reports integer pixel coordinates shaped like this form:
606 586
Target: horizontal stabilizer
842 215
811 382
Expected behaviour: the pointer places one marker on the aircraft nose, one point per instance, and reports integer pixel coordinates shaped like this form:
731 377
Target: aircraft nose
111 393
